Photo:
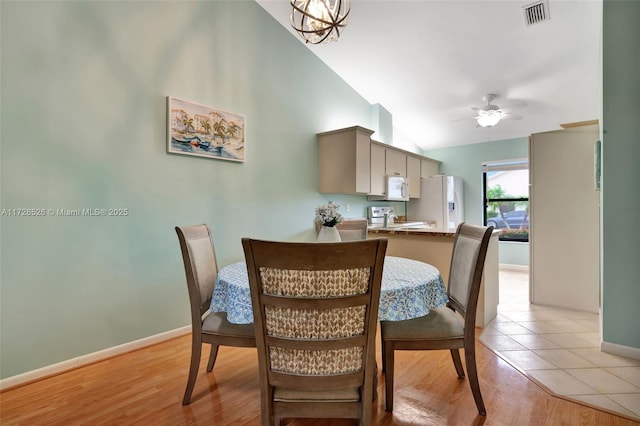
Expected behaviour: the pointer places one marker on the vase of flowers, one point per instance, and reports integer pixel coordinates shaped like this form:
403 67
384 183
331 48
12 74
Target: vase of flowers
328 217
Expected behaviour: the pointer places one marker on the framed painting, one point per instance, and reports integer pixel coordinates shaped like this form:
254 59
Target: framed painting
204 131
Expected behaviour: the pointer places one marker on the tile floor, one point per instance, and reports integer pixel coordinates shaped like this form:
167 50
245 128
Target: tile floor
560 350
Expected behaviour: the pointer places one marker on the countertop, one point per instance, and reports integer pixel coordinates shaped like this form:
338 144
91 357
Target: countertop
411 231
417 231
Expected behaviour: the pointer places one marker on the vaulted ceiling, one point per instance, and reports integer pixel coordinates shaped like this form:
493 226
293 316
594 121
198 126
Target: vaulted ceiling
429 62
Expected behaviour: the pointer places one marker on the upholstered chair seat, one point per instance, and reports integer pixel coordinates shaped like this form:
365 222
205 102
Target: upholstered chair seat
441 323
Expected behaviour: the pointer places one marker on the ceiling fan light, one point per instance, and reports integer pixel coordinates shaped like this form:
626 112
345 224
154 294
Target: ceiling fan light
488 118
319 21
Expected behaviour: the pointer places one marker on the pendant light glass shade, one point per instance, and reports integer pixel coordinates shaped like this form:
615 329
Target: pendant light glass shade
319 21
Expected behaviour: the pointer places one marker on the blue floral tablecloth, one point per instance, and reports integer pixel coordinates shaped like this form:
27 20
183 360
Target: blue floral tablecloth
409 289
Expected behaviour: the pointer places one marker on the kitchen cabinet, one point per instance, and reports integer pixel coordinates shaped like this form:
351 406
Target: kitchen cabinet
388 161
429 167
414 174
395 162
349 162
378 169
344 161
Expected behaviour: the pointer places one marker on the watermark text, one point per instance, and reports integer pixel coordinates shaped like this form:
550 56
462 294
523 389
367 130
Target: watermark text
65 212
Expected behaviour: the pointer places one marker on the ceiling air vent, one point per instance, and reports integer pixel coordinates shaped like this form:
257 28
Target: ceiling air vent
536 12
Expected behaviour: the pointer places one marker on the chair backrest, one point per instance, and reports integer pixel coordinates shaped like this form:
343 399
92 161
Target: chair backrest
353 229
315 311
200 267
350 229
465 275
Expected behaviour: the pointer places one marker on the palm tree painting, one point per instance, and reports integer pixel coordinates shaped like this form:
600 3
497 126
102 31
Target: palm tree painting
204 131
187 122
219 129
206 126
232 130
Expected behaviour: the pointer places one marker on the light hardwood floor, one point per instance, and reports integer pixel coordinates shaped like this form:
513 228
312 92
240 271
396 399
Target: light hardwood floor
145 387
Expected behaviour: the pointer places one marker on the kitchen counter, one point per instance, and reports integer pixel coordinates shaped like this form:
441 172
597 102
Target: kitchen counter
435 248
426 245
411 231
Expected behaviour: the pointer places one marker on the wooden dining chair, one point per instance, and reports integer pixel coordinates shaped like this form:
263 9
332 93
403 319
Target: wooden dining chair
201 269
451 327
315 309
350 229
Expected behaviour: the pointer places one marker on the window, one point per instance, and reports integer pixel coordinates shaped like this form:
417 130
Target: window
506 198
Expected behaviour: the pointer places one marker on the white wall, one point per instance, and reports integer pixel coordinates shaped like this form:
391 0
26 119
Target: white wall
565 217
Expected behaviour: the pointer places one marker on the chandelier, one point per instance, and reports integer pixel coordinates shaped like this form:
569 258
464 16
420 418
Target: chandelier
319 21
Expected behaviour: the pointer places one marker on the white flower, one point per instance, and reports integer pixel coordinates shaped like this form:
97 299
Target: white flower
328 215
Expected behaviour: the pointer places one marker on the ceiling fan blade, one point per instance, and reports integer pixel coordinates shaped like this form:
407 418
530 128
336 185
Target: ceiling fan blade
521 104
462 119
507 116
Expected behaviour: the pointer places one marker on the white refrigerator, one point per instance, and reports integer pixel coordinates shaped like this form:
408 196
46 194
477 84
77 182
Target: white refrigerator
441 202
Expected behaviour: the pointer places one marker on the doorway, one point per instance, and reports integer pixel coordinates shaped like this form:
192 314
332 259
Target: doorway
506 207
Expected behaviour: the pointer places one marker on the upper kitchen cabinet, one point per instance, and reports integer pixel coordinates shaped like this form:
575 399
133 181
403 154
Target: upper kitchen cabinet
351 163
378 169
395 163
414 174
429 167
344 158
386 160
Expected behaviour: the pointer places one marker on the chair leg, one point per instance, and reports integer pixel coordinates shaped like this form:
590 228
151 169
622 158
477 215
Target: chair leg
388 377
384 361
365 419
267 415
457 362
375 382
196 349
472 371
269 421
212 357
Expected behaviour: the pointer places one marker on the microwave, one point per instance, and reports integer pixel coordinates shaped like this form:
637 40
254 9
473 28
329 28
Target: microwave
397 189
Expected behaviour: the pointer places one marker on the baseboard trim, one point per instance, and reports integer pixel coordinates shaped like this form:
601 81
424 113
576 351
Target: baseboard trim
71 364
620 350
513 267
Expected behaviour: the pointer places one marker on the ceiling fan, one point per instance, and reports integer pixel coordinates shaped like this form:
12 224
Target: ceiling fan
489 115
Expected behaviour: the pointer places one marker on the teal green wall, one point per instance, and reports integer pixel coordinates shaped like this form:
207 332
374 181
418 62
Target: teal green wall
465 161
514 253
83 125
621 173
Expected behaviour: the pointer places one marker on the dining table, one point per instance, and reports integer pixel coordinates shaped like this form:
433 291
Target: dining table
410 288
